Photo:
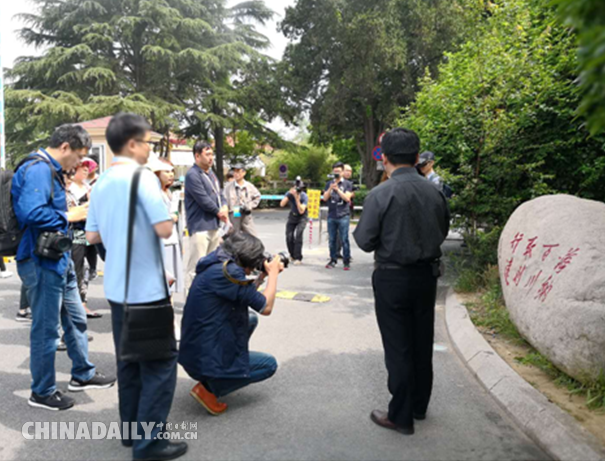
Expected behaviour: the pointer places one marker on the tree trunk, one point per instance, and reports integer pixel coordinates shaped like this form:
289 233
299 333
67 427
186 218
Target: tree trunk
219 151
371 175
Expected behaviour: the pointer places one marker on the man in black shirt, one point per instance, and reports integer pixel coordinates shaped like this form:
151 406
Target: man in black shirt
338 194
405 221
297 221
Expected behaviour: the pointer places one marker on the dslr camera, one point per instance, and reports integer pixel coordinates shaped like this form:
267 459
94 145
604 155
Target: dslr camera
52 245
299 185
267 257
335 176
245 211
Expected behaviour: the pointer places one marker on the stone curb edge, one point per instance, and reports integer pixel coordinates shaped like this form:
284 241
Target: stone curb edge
555 431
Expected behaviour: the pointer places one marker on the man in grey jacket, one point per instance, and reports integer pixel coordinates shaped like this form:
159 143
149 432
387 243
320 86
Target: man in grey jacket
242 197
205 207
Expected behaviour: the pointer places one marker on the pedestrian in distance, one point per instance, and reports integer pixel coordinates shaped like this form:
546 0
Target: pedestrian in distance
205 207
242 198
173 252
47 271
146 379
297 220
404 222
426 165
78 194
338 195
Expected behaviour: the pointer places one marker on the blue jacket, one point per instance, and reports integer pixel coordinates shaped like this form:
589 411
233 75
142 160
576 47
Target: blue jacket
202 203
214 332
34 210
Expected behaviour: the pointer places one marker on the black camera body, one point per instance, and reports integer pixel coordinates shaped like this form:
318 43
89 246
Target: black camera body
267 257
299 185
335 176
245 211
52 245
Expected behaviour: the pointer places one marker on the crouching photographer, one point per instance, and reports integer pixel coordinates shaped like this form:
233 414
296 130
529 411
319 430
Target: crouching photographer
220 317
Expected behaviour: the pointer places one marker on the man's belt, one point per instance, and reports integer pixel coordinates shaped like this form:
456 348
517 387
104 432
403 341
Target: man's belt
395 266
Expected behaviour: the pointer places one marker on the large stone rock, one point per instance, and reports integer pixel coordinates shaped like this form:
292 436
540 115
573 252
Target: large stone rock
552 267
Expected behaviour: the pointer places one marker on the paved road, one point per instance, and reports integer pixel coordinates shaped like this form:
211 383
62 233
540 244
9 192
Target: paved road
316 407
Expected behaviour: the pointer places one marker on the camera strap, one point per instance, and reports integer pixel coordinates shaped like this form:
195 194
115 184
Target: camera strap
232 279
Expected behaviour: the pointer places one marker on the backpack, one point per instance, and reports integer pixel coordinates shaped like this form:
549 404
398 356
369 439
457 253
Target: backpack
10 232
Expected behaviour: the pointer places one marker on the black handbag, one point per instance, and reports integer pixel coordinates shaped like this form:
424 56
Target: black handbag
147 329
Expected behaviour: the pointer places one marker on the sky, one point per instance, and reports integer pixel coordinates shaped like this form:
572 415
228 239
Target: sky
12 48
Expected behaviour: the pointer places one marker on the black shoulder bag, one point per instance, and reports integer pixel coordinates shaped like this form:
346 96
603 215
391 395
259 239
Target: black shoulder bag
148 329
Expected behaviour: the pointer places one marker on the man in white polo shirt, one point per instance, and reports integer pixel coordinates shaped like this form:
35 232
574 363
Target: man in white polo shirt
145 389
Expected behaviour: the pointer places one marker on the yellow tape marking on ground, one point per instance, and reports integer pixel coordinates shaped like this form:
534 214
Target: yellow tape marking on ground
9 260
320 299
286 294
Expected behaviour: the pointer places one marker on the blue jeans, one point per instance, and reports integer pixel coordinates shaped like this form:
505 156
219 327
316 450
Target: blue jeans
54 300
339 227
262 367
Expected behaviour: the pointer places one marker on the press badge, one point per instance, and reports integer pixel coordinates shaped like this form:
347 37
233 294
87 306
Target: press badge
236 212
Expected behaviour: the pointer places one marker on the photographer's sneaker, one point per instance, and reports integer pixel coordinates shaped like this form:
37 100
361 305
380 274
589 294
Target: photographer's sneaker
5 274
347 266
54 402
331 265
98 381
24 315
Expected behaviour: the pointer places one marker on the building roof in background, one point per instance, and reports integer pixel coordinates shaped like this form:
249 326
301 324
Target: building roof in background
103 123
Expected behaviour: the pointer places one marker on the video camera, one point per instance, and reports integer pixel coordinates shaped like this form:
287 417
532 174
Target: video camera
267 257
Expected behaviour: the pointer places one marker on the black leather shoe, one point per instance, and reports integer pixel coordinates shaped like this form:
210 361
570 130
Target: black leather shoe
382 419
420 416
170 451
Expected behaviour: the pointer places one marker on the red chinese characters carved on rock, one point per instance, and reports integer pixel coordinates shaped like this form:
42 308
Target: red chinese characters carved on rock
545 289
530 247
532 280
519 275
516 241
509 265
549 249
566 260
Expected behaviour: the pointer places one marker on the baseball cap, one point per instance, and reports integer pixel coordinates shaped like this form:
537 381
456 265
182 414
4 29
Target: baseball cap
426 157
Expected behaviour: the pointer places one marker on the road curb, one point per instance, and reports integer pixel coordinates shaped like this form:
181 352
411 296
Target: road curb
555 431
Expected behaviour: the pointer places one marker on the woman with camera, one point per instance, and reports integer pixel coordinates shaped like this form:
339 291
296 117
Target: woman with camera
220 317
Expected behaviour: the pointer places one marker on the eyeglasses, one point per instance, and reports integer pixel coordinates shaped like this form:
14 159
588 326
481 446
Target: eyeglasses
152 144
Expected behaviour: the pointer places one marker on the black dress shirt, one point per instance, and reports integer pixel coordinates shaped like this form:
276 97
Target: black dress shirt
405 220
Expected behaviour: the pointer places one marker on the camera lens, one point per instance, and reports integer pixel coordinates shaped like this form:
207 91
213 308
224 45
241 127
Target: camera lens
63 244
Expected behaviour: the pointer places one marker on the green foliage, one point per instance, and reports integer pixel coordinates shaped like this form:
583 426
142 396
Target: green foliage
246 148
587 17
189 65
311 163
501 117
491 311
353 63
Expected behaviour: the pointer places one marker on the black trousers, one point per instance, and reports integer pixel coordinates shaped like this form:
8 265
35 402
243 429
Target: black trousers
78 254
295 230
92 257
145 389
405 309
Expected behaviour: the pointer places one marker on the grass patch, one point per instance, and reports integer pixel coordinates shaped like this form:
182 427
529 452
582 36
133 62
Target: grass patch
489 312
